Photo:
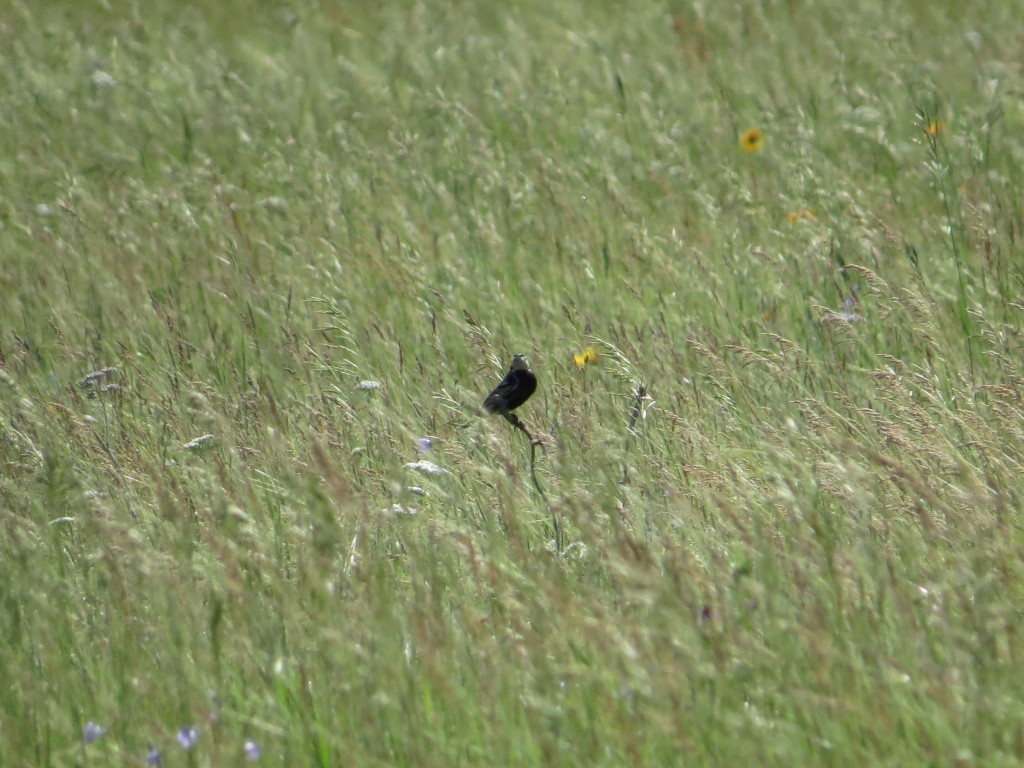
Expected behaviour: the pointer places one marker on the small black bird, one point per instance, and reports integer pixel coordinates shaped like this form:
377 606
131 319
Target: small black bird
514 390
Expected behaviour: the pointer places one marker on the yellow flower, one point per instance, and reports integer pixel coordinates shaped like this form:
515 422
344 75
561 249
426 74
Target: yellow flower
752 140
588 355
803 213
935 128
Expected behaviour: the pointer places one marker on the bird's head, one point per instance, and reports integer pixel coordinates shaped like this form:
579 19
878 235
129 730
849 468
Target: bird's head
519 363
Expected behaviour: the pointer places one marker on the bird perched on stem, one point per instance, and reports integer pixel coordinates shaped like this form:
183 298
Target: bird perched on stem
514 390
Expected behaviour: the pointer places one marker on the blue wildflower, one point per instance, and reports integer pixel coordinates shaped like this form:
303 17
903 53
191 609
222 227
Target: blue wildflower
423 445
154 756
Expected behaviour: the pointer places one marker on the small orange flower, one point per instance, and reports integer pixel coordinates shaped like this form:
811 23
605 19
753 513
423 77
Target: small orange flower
935 128
752 140
585 357
803 213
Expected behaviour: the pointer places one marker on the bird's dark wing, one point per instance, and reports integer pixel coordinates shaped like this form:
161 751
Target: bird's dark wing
498 400
514 390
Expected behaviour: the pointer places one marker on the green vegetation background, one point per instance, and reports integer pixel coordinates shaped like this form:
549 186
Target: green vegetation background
801 546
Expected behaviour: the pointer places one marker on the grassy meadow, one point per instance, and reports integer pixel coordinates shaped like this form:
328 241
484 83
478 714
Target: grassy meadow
261 263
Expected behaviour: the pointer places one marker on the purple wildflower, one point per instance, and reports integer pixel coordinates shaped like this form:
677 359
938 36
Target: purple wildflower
154 756
188 736
423 445
93 732
252 750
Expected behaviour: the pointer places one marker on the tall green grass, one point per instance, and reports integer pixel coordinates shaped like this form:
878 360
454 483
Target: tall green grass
800 543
